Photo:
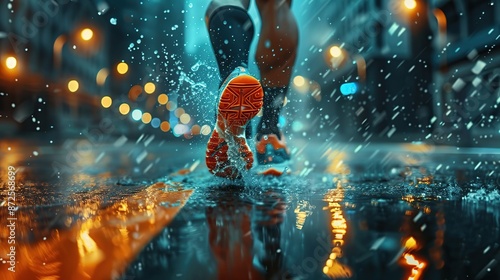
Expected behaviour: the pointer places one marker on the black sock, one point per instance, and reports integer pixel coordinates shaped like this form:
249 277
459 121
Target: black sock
273 102
231 32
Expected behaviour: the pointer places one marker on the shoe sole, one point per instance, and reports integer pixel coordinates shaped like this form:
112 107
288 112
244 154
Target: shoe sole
240 101
271 156
272 150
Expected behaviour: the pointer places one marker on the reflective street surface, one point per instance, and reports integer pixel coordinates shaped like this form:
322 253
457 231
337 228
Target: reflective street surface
380 211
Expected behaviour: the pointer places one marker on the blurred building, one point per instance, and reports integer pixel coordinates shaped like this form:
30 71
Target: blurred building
79 63
53 71
376 66
467 74
148 36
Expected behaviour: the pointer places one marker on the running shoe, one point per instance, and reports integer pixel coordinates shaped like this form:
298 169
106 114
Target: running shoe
240 99
271 149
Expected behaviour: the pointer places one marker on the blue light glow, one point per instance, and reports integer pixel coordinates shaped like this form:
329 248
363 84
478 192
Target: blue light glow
136 114
282 121
349 88
155 122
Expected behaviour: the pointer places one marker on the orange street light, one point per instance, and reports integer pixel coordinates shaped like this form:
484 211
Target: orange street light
122 68
11 62
146 118
410 4
87 34
149 87
124 108
336 51
336 56
106 101
73 85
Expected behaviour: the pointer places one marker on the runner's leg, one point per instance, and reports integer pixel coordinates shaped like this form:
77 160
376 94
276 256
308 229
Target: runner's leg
275 56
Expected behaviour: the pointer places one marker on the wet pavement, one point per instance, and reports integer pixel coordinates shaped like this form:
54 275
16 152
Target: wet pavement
145 209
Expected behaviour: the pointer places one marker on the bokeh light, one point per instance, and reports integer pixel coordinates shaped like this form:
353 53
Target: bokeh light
410 4
299 81
11 62
122 68
136 114
73 85
87 34
348 88
124 108
205 129
134 92
162 99
149 88
155 123
146 118
178 112
165 126
195 130
171 105
297 126
180 129
101 77
335 51
185 118
106 101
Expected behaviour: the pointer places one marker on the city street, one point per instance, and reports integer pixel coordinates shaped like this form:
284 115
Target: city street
380 211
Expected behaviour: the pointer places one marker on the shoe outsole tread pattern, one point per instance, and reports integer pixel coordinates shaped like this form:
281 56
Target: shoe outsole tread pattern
227 150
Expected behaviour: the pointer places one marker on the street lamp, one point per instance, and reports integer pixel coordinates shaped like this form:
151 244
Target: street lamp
87 34
106 101
73 85
149 87
122 68
336 57
124 108
299 81
410 4
11 62
335 51
146 118
163 99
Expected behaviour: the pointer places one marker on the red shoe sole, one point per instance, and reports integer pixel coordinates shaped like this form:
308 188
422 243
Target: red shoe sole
240 101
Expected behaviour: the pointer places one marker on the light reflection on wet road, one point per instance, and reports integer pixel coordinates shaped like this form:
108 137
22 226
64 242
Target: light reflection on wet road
409 211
